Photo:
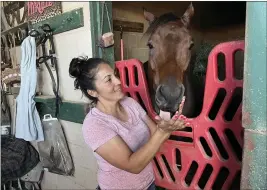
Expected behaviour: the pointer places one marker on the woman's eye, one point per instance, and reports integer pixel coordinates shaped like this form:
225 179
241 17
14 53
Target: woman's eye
109 80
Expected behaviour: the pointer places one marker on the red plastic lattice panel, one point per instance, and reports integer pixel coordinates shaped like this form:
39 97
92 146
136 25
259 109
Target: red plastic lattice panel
209 155
134 83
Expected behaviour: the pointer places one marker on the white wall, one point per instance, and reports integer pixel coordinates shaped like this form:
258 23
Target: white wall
68 45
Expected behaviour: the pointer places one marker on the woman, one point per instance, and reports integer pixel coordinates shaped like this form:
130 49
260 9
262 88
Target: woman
124 139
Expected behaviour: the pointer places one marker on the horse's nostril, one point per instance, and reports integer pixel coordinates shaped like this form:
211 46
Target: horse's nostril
161 90
180 91
164 91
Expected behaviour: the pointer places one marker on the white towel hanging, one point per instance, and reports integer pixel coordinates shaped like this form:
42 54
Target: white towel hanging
28 123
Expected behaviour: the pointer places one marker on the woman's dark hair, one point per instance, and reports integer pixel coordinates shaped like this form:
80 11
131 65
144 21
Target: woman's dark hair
84 70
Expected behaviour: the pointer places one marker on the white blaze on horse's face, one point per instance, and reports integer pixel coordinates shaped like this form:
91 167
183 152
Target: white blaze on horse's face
170 46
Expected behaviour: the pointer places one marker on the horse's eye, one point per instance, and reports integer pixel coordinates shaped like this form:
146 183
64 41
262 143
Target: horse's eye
191 45
150 46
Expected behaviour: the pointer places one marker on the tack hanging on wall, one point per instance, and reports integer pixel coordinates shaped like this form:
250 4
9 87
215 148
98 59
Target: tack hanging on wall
47 36
28 123
95 17
107 38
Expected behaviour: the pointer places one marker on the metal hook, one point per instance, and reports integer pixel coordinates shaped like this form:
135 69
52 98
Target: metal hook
46 28
34 33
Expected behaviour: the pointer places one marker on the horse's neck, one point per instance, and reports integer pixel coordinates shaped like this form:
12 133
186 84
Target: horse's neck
189 94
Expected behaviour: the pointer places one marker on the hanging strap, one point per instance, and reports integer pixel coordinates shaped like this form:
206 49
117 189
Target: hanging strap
4 41
11 40
6 49
21 34
109 23
104 5
102 18
43 59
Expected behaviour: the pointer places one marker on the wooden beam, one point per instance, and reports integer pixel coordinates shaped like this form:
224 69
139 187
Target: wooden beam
128 26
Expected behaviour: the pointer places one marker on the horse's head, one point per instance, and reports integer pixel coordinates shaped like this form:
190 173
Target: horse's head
170 46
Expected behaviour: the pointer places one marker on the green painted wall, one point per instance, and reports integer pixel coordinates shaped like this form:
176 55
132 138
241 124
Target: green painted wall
254 170
95 20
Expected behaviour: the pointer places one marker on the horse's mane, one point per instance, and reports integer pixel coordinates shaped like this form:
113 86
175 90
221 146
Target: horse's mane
163 19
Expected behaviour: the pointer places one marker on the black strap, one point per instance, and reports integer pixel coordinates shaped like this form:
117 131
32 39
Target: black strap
43 59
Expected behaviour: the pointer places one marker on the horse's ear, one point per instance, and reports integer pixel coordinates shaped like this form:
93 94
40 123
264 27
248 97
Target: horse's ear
188 15
150 17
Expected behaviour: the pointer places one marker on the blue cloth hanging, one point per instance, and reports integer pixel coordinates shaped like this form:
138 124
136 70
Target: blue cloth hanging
28 123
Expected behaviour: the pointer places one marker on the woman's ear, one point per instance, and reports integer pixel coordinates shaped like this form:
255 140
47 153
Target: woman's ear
92 93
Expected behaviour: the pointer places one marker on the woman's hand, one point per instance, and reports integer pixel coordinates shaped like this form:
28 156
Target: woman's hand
177 122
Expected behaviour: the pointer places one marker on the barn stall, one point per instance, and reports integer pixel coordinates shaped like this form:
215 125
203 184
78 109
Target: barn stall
209 155
225 23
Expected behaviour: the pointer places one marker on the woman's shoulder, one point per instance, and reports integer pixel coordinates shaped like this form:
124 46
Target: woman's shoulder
92 119
95 118
97 130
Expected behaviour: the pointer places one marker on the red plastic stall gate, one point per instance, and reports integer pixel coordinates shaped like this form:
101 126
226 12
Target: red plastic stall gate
209 155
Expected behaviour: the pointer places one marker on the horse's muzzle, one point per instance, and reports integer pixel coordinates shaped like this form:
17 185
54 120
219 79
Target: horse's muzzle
169 97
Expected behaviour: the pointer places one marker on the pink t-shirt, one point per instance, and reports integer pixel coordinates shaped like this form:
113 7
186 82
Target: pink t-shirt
99 127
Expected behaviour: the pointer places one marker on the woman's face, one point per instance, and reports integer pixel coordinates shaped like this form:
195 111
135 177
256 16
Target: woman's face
108 86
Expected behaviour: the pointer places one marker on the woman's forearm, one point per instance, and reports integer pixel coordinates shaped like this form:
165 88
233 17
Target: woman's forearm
151 125
141 158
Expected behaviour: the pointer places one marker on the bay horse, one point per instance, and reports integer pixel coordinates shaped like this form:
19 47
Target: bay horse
168 70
